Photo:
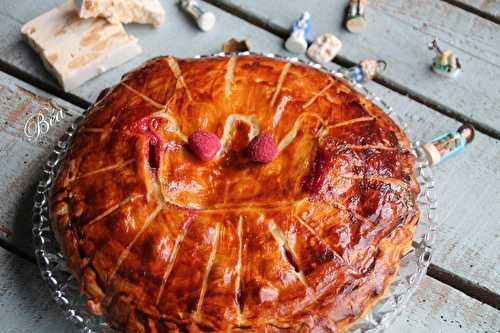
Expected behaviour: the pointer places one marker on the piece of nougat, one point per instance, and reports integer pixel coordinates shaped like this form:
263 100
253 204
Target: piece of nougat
124 11
75 50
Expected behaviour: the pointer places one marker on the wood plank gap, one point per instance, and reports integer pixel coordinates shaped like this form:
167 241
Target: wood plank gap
344 62
473 10
430 103
11 248
438 107
480 293
251 18
26 77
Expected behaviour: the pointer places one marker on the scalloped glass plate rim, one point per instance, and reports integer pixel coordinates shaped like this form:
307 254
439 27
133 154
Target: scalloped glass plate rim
65 288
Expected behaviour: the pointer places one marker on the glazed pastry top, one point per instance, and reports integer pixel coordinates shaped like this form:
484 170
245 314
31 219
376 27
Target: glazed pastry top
164 241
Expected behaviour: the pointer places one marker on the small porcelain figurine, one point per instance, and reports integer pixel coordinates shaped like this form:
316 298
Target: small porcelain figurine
445 63
301 31
204 20
324 48
366 70
356 20
449 144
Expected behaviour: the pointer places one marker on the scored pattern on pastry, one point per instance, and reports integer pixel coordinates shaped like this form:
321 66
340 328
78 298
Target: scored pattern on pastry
298 243
388 180
280 109
228 125
250 120
318 94
113 208
324 130
126 251
365 147
286 252
288 138
248 206
281 79
176 70
173 122
338 257
104 131
228 78
171 260
238 268
145 97
341 206
211 259
112 167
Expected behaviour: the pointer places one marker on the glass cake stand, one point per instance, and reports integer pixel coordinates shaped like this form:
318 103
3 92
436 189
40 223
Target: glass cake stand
65 289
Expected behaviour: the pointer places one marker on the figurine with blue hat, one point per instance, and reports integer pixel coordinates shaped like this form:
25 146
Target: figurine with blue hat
301 31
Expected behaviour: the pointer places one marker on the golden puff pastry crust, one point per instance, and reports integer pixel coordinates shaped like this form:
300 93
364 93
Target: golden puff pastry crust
164 242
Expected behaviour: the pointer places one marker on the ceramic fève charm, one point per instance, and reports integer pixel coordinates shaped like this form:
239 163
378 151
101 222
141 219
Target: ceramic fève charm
324 48
449 144
366 70
236 45
356 20
204 20
301 31
445 63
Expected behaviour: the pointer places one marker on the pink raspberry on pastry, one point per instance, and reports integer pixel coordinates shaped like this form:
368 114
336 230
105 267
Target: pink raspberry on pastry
262 148
204 145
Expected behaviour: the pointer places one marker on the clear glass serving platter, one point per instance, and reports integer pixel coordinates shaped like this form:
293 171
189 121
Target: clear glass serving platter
65 289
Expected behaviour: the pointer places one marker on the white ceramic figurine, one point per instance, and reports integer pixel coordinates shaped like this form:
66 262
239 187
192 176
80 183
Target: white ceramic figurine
301 31
204 20
324 48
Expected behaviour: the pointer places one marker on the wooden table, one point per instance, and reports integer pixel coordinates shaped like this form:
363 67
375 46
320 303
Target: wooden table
461 290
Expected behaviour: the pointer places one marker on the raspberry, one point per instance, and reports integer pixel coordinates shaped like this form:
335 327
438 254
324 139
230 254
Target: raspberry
204 145
262 148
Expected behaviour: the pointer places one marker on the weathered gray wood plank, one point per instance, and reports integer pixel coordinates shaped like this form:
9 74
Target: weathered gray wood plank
491 8
25 301
22 159
26 306
178 36
437 308
468 192
399 32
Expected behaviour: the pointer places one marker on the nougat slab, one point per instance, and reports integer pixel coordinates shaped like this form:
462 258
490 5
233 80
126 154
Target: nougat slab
75 50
